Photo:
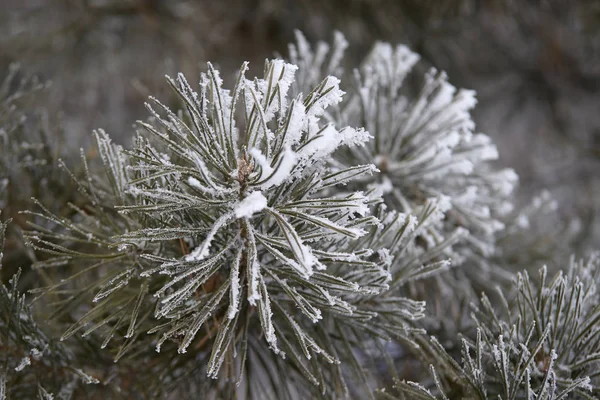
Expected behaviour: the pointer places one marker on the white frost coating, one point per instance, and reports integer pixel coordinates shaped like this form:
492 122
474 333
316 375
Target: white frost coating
412 223
354 137
340 44
202 251
212 186
385 257
295 124
286 164
443 98
195 183
262 161
235 288
25 361
386 185
309 260
451 140
442 204
486 151
253 293
505 181
249 95
465 100
460 167
221 98
361 207
354 233
283 168
253 203
266 319
330 139
333 96
36 354
382 188
390 65
302 253
286 72
323 144
468 197
304 50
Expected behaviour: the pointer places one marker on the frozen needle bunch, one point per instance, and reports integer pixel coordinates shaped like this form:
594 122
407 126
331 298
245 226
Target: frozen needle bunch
424 142
250 199
33 365
427 151
544 344
228 235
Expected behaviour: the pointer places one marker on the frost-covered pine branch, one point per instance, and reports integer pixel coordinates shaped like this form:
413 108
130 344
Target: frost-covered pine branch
251 209
544 344
424 143
229 237
427 150
277 238
32 365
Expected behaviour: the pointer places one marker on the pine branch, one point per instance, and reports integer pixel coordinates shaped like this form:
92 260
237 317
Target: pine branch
543 345
32 363
226 232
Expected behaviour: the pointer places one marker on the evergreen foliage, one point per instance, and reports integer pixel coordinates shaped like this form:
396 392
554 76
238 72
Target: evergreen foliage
33 365
544 344
426 149
288 237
